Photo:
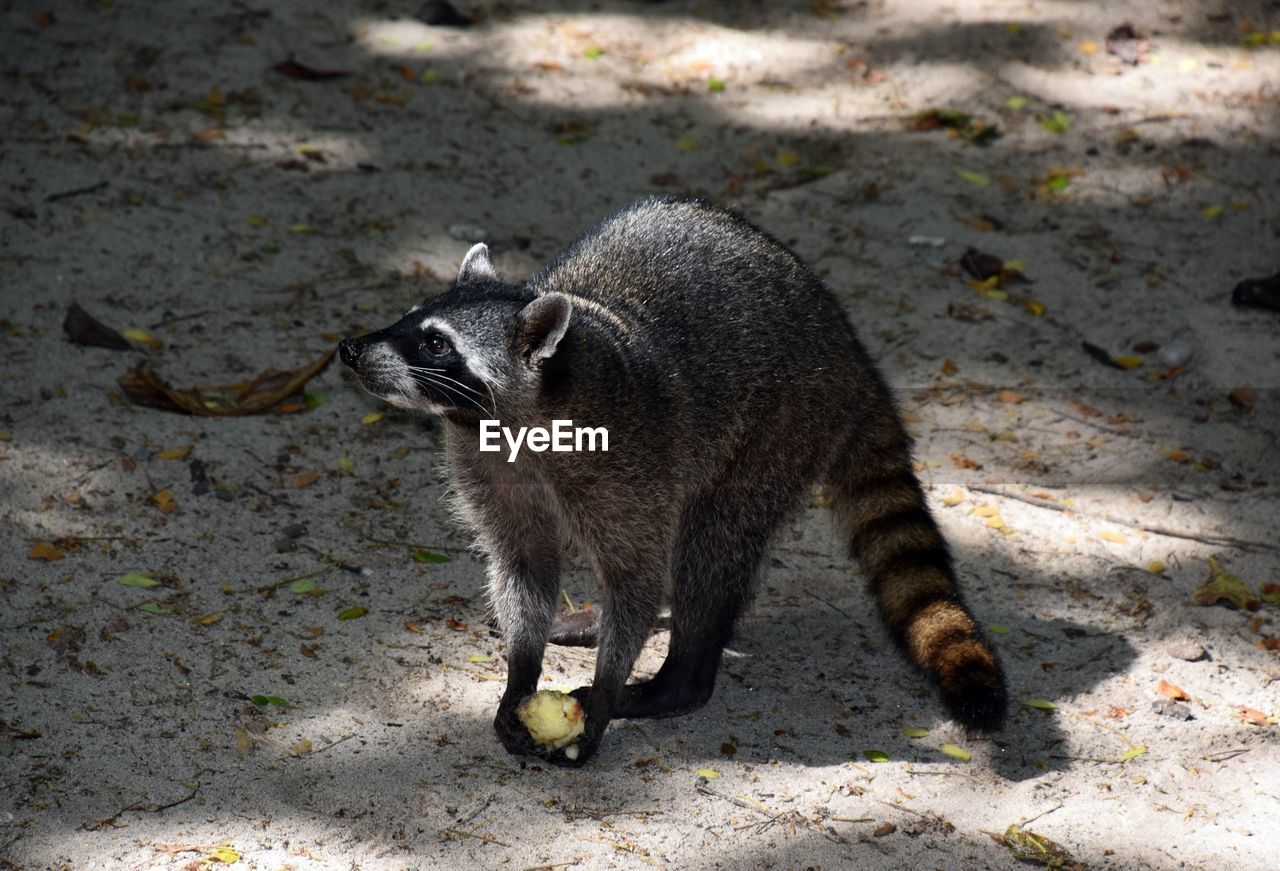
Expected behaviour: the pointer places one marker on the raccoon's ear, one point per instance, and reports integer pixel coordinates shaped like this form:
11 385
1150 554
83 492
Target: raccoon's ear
542 326
477 265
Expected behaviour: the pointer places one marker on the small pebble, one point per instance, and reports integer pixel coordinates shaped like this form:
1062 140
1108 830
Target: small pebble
285 545
1172 709
1175 353
295 530
1188 650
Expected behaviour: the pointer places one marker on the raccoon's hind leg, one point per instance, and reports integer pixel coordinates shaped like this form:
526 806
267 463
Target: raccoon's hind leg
724 536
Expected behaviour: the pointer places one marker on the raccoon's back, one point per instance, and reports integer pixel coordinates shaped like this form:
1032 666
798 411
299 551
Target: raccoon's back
699 285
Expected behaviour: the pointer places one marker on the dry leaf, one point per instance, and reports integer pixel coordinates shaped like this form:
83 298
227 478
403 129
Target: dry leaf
164 501
1171 691
300 479
145 387
1028 846
84 329
244 742
1113 537
1224 587
1252 716
1242 398
45 551
178 453
1010 397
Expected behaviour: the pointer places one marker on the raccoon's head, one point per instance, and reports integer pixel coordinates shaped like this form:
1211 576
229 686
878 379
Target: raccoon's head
466 352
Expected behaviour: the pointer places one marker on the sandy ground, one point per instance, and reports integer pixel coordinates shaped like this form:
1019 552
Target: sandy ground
156 169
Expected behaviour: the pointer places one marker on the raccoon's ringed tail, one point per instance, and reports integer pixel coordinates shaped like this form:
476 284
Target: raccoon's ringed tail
944 641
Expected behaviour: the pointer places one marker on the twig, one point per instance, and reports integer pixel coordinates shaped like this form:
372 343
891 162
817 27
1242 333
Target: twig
99 825
176 319
332 745
835 608
75 192
1224 755
434 547
553 865
479 836
911 770
269 590
771 817
1090 423
478 809
733 799
1203 538
1045 813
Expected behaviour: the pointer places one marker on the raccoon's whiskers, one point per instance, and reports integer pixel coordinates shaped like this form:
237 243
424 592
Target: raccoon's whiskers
429 381
438 373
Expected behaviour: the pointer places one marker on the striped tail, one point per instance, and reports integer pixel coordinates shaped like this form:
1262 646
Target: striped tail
895 539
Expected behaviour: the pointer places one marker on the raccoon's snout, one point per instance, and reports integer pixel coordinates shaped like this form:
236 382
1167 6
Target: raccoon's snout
349 350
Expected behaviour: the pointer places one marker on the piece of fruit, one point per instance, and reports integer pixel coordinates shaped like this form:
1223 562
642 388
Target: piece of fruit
554 719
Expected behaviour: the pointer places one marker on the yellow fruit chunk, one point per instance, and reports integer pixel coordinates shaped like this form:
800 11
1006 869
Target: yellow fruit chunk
554 719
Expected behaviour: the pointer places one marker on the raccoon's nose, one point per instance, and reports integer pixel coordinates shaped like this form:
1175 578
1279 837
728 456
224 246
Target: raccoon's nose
349 351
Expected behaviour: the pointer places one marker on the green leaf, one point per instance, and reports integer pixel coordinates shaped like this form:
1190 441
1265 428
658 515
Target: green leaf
593 52
997 629
314 398
136 579
955 752
876 755
1056 121
914 732
1040 704
1016 102
347 465
305 585
153 608
263 701
353 613
973 178
714 84
426 556
1059 182
1132 754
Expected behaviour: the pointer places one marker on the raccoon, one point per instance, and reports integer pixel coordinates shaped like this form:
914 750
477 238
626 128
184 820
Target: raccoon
730 382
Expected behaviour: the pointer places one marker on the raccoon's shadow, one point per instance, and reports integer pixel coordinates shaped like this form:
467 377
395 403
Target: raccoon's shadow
812 677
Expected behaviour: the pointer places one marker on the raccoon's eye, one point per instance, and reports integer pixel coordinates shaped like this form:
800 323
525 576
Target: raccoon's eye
437 345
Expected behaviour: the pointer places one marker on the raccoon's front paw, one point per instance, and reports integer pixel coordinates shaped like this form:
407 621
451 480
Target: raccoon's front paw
512 733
